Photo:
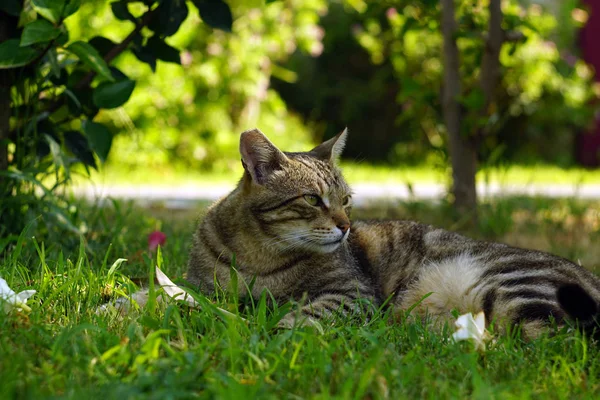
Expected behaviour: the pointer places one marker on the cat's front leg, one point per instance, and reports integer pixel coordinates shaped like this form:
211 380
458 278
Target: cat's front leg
332 305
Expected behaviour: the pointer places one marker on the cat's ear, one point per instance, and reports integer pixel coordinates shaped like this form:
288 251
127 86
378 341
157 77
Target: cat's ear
260 157
331 150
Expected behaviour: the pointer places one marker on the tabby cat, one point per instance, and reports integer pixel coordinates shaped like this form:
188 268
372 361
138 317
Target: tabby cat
287 225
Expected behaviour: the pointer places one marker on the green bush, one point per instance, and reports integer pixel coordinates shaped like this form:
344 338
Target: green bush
54 87
190 116
386 84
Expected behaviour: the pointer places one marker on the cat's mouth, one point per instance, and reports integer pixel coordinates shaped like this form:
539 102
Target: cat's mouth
326 246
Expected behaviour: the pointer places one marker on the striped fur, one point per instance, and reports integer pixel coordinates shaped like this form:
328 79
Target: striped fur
295 246
511 285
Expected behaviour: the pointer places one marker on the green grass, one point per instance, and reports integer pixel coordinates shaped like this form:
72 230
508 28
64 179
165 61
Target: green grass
63 349
354 172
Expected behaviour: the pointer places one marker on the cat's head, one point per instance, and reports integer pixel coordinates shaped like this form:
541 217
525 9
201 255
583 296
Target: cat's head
299 201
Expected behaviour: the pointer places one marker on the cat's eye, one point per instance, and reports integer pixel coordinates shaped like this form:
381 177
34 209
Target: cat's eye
346 201
312 199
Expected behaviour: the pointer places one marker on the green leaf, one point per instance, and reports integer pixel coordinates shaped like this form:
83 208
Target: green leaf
46 139
143 54
168 17
529 25
25 177
79 146
77 74
408 25
120 10
41 149
215 13
102 44
162 51
149 322
117 74
53 60
57 154
261 315
12 55
90 56
39 31
71 8
474 101
146 56
49 9
84 103
112 95
410 88
62 79
73 102
11 7
63 38
99 137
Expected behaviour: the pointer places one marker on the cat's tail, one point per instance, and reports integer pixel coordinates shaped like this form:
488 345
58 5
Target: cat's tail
581 307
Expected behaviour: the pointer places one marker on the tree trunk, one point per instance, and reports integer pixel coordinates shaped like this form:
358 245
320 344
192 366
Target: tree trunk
490 65
462 150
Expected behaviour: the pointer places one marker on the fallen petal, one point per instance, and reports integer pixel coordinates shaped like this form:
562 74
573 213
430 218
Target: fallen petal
172 290
175 292
123 304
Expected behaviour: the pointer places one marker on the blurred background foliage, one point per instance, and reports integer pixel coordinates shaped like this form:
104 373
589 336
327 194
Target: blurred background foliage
395 105
302 70
190 115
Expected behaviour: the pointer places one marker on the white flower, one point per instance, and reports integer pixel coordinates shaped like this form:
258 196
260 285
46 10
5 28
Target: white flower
472 328
10 300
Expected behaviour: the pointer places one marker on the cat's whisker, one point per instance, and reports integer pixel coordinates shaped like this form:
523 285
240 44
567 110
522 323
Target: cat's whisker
290 237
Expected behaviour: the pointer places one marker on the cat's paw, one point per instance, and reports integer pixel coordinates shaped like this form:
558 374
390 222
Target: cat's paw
295 320
287 322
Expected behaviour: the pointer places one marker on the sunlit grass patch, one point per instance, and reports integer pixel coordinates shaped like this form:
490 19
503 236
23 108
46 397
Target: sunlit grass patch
63 348
164 176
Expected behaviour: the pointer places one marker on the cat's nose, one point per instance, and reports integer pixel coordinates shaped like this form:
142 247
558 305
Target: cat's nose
343 226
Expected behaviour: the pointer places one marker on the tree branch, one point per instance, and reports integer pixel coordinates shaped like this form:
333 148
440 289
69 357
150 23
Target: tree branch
118 49
507 36
513 36
111 55
42 54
